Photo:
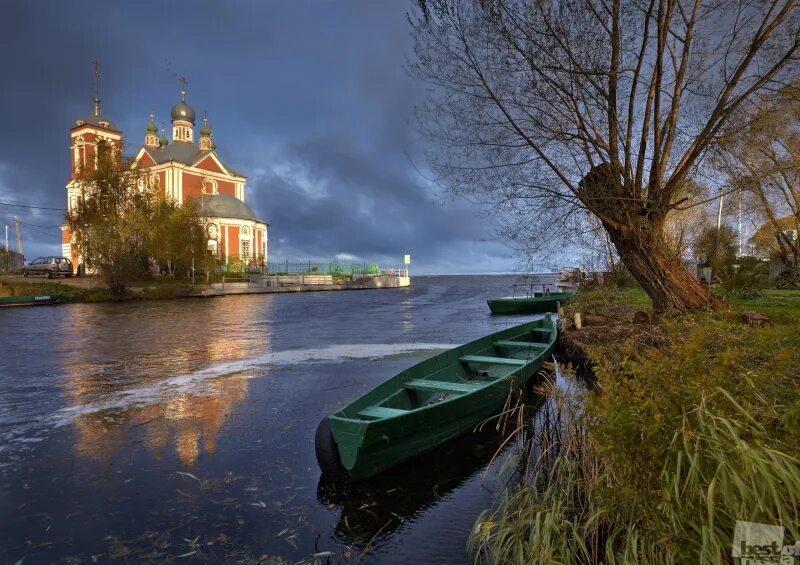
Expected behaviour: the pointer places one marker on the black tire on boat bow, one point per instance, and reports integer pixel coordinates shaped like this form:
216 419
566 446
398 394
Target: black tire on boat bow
328 459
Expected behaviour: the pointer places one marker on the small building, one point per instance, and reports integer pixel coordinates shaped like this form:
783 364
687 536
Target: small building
184 171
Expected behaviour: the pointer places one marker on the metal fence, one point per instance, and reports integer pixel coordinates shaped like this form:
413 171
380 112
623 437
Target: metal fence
237 265
242 265
322 268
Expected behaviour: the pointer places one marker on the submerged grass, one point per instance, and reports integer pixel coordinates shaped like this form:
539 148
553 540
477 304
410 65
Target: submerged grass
691 425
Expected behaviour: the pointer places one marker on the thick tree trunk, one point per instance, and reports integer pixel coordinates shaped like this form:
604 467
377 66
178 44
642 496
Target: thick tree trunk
673 290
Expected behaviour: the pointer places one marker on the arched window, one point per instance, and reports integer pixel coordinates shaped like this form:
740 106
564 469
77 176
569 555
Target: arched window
245 230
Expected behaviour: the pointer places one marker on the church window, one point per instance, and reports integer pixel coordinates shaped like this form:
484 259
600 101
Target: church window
245 249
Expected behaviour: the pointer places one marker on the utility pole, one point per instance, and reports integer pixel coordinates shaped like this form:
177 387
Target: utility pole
716 235
17 221
741 215
6 239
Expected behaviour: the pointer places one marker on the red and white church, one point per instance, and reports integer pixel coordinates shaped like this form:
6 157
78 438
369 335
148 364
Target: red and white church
185 171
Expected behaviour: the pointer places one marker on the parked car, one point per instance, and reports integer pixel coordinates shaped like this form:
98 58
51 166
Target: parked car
49 267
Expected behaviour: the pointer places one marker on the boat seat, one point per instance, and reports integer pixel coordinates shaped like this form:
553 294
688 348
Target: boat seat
492 360
381 412
526 344
542 330
441 386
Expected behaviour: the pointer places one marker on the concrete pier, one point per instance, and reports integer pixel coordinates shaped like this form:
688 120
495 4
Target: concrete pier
299 283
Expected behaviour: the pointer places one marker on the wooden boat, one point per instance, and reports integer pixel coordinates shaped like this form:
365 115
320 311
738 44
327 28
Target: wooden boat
529 303
432 401
30 300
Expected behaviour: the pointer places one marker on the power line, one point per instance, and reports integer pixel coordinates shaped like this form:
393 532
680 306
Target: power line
31 213
43 227
29 206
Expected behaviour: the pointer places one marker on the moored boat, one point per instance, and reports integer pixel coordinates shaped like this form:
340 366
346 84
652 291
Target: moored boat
433 401
30 300
536 304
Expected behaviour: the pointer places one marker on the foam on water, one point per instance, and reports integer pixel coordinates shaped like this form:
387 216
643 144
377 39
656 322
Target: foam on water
200 382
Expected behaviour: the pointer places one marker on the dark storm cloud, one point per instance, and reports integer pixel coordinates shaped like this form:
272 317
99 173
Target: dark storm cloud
310 101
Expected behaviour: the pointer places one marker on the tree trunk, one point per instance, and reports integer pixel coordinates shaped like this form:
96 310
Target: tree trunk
673 290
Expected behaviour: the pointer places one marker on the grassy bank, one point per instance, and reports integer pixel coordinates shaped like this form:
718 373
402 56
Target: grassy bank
692 424
153 290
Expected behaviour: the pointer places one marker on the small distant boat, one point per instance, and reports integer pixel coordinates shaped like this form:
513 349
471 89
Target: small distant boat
433 401
30 300
529 303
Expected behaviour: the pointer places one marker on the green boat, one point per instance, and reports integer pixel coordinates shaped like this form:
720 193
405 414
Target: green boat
433 401
30 300
529 303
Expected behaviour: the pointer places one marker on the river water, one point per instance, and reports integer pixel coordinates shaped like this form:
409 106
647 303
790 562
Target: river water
184 430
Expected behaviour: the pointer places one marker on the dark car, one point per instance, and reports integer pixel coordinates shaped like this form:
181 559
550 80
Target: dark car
49 267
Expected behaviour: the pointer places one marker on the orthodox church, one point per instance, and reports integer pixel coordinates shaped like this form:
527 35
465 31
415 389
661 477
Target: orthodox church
185 171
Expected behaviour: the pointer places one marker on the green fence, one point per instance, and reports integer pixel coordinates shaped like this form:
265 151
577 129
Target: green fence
247 265
235 264
321 268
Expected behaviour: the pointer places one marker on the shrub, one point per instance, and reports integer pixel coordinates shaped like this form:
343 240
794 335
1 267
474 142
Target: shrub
672 446
789 279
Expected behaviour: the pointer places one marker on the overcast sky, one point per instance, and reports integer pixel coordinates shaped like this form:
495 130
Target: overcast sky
309 99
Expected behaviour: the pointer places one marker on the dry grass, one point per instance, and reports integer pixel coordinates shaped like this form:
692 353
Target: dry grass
692 425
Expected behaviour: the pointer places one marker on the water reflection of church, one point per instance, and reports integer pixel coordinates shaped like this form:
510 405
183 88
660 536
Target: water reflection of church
189 423
185 424
183 171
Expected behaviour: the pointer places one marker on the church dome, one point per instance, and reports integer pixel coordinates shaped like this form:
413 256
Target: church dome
205 131
152 128
224 206
182 111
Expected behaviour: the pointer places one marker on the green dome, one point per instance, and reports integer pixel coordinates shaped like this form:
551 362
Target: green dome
205 131
152 128
163 141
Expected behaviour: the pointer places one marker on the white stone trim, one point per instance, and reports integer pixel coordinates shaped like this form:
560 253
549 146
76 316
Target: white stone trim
217 161
83 129
199 172
227 224
182 130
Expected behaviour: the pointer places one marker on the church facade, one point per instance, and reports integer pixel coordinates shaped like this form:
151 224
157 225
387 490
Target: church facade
185 171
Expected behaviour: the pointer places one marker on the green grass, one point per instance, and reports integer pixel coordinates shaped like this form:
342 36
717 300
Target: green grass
68 293
781 305
671 447
151 290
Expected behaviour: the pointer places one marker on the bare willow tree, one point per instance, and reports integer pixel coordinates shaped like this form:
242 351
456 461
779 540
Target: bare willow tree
559 108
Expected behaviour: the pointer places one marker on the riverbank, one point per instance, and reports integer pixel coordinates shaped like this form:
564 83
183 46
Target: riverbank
87 289
691 425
